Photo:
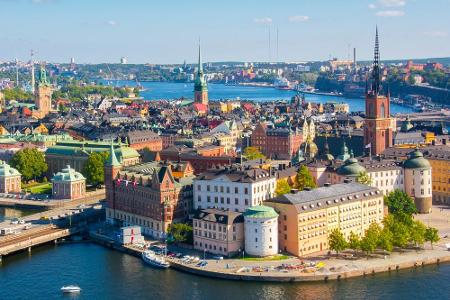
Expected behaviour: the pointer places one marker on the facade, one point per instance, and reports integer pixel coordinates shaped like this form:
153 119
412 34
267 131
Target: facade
148 195
140 139
10 179
43 96
306 218
385 174
378 130
76 154
218 231
261 231
200 86
234 189
68 184
418 181
277 143
439 158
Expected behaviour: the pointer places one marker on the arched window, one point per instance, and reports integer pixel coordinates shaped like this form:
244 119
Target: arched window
383 110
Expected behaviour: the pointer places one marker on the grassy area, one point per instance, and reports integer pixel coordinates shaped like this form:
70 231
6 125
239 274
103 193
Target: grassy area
269 258
38 187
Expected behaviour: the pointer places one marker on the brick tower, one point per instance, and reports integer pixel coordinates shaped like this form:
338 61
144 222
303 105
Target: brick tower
378 125
43 95
111 169
200 86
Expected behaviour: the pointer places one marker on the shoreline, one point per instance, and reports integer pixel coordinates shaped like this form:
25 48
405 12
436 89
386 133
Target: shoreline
411 260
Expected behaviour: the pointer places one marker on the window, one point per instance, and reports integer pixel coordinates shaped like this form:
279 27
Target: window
236 190
199 187
236 201
228 189
246 191
208 188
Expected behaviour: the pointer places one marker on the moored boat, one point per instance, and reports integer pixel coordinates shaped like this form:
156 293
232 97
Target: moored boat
154 260
71 289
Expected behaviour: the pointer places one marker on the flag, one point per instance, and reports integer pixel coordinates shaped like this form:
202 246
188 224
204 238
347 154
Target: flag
118 181
368 145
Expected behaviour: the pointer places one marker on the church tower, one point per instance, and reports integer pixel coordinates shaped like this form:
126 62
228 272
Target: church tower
378 126
43 95
200 86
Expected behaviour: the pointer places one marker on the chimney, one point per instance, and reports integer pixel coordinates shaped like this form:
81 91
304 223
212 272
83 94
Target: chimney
444 141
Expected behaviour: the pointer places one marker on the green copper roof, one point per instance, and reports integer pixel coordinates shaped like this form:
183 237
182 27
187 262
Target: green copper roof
68 174
344 152
200 84
80 148
260 212
43 76
7 170
416 161
112 161
351 167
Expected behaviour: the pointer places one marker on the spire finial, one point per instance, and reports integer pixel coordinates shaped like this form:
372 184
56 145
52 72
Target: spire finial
113 161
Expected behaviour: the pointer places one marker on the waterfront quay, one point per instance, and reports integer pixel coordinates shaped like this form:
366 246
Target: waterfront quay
318 267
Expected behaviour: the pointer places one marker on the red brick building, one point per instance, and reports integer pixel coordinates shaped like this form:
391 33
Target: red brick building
279 143
378 125
140 139
151 195
199 161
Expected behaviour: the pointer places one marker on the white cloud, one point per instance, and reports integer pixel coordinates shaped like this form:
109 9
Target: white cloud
298 18
112 23
392 3
372 6
436 33
266 20
390 13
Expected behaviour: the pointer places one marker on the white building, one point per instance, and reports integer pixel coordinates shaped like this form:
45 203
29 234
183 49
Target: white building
418 182
261 231
233 189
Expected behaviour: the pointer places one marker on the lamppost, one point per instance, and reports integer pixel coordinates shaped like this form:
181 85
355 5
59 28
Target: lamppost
204 254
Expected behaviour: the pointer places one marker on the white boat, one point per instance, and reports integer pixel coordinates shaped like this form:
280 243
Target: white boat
71 289
154 260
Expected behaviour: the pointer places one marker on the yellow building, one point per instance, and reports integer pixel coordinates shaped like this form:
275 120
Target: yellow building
439 158
306 218
3 130
41 129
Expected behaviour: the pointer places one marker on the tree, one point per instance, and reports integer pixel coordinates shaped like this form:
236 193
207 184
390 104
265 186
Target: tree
94 168
30 162
251 153
354 241
399 230
431 235
304 179
364 178
371 239
401 205
181 233
337 241
385 240
282 188
417 233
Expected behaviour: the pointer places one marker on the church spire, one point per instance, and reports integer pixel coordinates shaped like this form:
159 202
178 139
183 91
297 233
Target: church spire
376 66
200 65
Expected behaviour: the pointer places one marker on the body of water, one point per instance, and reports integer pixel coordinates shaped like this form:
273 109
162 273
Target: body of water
106 274
9 213
168 90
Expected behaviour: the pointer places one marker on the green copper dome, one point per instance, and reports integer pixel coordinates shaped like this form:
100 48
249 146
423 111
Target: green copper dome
351 167
6 170
416 161
260 212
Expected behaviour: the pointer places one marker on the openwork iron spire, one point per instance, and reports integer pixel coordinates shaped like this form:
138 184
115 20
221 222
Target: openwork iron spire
376 85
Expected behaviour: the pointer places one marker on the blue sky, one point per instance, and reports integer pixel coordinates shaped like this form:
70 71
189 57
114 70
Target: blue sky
167 31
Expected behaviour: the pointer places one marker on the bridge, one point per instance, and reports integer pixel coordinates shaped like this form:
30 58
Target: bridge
429 116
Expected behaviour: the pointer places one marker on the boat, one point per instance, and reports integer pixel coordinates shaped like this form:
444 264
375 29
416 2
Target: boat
71 289
154 260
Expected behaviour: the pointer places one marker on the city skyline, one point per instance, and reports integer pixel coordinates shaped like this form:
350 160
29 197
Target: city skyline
168 32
